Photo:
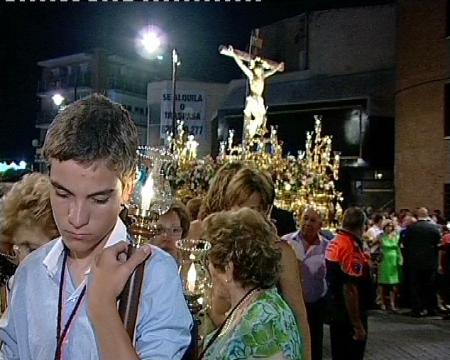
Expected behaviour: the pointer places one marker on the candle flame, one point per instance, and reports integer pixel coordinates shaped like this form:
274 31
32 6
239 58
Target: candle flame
147 193
191 278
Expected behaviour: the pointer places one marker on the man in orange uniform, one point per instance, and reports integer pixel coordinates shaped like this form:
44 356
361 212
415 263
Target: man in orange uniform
348 282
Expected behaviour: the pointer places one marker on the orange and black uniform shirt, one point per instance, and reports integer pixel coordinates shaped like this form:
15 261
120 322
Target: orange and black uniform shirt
346 262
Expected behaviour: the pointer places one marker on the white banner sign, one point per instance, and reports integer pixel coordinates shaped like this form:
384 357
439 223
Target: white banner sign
189 107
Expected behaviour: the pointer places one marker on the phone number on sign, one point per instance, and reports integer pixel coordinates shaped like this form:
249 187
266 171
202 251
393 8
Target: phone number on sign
192 130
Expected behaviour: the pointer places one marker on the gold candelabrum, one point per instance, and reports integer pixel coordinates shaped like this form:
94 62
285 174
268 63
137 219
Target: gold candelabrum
311 180
305 180
152 197
183 147
262 151
189 175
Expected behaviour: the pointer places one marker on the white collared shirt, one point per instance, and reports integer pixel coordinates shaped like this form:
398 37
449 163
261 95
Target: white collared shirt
313 265
28 327
51 261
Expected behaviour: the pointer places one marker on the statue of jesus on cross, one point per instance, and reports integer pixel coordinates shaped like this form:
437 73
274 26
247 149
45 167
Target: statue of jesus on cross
257 71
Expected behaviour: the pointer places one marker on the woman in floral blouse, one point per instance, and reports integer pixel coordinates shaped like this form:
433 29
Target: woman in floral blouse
235 186
245 262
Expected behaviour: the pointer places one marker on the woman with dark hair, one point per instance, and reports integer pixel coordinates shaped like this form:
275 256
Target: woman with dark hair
390 266
244 262
173 226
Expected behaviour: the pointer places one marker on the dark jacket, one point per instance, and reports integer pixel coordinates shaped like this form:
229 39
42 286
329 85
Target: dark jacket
284 221
421 245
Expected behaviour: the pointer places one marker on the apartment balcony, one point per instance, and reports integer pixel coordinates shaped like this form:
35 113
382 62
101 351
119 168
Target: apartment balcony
64 82
128 85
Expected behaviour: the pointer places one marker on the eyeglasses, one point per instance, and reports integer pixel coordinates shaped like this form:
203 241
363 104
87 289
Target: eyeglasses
171 231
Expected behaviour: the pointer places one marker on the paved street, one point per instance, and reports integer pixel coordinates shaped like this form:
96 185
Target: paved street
400 337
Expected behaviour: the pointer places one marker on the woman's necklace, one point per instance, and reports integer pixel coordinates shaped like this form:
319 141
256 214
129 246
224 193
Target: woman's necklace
224 328
237 311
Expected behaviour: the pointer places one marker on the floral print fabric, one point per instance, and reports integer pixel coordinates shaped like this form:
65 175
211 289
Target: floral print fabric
267 329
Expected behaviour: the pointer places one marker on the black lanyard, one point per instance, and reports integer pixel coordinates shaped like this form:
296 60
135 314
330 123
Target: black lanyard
219 330
60 336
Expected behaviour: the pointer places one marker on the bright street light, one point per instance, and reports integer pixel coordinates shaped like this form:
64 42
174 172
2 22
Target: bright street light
57 99
150 42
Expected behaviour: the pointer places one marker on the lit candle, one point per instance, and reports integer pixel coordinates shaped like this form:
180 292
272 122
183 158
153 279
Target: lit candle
222 148
191 278
230 139
147 193
191 146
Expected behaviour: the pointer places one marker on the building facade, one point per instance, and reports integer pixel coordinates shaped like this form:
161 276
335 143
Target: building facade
340 64
79 75
422 149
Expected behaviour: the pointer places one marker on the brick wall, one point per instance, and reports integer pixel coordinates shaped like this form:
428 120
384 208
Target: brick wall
422 159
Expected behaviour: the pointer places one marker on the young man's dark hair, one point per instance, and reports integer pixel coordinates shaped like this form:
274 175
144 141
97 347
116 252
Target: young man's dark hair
94 128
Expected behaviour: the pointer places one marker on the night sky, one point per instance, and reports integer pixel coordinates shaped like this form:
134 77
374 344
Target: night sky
32 32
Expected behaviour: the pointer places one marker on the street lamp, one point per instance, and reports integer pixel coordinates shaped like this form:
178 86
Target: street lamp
175 63
58 99
149 43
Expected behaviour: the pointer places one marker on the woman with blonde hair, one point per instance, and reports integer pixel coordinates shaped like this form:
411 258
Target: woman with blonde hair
238 186
26 218
26 223
214 201
244 263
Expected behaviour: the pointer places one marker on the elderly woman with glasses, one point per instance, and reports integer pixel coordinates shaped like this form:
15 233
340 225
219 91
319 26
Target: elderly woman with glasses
173 226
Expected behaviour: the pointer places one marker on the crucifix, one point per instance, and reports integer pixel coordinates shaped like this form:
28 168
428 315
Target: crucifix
257 70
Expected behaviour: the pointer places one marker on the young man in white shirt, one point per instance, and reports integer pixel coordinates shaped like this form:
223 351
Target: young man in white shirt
63 302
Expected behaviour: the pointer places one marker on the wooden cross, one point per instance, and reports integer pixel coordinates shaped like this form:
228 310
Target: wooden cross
245 56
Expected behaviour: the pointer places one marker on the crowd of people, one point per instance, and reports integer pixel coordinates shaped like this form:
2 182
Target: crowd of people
274 286
409 261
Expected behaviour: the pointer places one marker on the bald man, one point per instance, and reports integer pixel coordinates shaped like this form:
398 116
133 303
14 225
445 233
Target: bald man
309 246
421 248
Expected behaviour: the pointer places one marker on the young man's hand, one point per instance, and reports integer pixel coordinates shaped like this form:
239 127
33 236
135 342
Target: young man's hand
111 271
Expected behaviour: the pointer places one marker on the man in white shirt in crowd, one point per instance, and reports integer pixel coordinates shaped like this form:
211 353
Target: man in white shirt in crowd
309 246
